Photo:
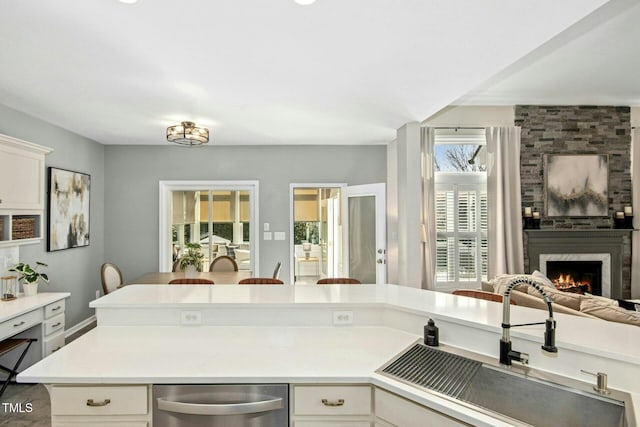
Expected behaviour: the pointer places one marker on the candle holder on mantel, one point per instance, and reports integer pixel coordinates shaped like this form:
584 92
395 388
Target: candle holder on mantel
623 220
531 220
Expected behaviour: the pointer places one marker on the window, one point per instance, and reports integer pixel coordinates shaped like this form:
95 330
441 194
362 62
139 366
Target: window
461 208
219 215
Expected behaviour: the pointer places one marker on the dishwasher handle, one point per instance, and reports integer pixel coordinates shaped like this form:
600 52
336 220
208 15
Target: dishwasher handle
219 408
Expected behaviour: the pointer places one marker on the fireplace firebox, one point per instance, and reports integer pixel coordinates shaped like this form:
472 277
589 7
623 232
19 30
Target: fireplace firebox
576 276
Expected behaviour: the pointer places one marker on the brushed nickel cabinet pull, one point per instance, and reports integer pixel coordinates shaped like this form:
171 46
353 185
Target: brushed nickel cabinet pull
105 402
15 325
327 402
57 308
56 325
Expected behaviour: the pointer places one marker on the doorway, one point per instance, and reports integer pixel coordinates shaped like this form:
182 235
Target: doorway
218 215
338 231
316 232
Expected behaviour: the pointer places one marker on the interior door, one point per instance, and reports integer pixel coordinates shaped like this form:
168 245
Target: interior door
364 228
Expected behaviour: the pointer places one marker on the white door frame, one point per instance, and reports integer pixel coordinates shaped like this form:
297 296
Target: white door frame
378 190
166 187
292 248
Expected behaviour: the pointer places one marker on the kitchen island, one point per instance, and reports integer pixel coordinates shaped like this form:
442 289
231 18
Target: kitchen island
313 336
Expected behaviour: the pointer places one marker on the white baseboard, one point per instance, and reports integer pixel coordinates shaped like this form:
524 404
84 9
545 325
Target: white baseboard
77 327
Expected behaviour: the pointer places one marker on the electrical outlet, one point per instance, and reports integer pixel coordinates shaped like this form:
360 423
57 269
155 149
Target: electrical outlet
343 317
191 317
97 293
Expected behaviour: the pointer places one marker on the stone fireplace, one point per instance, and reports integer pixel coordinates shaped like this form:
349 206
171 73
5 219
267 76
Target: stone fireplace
576 129
594 258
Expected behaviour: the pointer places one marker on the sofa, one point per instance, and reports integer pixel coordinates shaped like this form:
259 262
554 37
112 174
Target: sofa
584 305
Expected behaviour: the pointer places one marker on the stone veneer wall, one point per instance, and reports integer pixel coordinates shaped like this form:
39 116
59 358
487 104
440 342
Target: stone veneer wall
576 130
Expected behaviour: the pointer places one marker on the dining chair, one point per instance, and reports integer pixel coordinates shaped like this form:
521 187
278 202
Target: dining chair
176 266
191 281
276 272
111 277
338 281
260 281
223 263
488 296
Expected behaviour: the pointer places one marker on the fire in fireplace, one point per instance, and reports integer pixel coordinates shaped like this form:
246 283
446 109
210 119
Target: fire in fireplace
576 276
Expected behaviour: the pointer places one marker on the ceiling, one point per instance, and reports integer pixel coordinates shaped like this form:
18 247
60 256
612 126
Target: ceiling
595 62
263 72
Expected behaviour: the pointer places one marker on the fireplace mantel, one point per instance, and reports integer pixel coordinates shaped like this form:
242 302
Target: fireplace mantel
581 241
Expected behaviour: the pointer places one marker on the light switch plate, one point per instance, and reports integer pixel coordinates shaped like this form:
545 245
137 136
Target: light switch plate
266 226
279 235
266 235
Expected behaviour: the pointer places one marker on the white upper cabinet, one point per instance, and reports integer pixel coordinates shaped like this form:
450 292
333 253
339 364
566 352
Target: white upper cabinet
22 174
22 190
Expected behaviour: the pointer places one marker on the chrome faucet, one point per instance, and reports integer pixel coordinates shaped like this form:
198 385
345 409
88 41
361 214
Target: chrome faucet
506 353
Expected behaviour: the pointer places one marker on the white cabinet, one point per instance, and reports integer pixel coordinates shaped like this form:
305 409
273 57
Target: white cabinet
108 405
53 327
22 190
393 410
331 405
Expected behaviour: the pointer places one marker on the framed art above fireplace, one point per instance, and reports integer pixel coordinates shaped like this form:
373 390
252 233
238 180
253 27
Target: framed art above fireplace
576 185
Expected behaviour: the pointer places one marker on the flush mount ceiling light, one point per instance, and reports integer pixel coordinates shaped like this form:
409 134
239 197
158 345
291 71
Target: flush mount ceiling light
304 2
187 133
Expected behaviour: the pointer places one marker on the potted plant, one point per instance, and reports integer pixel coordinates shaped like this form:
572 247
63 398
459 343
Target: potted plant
191 260
30 276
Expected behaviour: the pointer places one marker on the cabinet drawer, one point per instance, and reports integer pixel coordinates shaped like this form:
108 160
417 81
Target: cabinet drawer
53 343
54 309
404 413
53 325
332 400
20 323
99 400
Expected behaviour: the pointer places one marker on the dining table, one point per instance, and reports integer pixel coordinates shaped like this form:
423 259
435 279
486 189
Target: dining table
218 277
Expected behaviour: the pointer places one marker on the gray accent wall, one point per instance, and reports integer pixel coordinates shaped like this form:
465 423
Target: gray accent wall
132 190
74 270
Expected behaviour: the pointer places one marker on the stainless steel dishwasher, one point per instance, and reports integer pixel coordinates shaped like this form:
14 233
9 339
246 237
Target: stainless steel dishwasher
224 405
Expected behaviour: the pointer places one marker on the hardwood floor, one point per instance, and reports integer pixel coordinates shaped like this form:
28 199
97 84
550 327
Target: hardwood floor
28 405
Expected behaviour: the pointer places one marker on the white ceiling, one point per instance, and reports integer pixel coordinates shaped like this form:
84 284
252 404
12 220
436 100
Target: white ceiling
596 62
268 71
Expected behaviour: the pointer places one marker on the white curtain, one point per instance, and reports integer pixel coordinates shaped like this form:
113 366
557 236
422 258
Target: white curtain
505 246
635 242
427 214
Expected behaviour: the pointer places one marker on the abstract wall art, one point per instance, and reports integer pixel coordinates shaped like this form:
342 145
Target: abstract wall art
576 185
69 200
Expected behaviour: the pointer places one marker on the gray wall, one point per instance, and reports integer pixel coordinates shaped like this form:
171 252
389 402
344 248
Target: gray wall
74 270
133 173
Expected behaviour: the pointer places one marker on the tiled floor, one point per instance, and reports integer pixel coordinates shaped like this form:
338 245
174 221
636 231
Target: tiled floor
28 405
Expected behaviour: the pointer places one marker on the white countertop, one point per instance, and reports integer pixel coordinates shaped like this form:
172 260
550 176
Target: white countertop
229 347
22 304
596 336
210 355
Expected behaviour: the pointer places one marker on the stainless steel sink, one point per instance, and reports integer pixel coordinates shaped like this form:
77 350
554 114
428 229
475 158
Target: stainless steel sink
506 394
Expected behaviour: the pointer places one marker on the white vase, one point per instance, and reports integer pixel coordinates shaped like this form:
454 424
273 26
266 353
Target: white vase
30 289
190 271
